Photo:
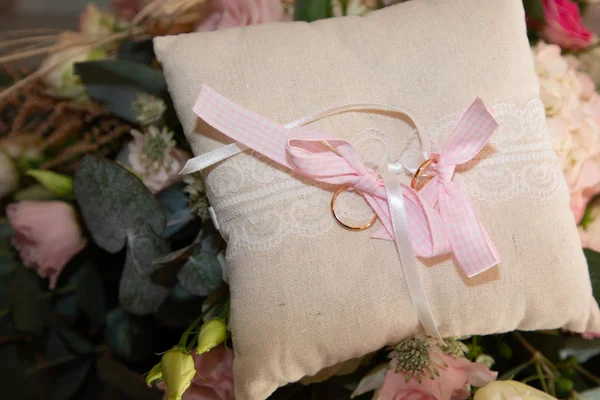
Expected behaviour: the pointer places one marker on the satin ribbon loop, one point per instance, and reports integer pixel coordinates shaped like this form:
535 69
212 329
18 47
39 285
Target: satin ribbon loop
471 244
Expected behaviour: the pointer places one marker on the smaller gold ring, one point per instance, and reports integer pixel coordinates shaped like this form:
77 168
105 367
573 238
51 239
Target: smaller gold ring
339 221
415 178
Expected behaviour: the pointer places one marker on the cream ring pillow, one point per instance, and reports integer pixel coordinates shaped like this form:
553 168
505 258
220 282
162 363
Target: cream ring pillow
307 294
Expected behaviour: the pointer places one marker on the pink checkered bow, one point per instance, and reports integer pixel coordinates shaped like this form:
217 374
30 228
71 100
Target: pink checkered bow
333 160
471 244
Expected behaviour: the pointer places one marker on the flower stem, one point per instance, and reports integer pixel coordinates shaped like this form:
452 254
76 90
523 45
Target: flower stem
587 374
185 336
538 368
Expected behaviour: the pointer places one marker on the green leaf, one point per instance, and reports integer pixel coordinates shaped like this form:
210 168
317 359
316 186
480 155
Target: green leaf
117 82
141 52
29 305
137 292
593 260
311 10
112 200
8 264
69 380
513 372
76 343
534 9
90 294
16 360
201 274
35 192
60 185
128 335
115 374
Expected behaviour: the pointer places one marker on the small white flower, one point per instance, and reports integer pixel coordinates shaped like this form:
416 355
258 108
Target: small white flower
197 191
153 156
417 358
148 109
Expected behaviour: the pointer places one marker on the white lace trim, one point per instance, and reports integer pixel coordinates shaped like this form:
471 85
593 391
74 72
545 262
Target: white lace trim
258 203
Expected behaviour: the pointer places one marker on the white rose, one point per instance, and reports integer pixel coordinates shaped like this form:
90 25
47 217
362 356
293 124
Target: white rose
61 79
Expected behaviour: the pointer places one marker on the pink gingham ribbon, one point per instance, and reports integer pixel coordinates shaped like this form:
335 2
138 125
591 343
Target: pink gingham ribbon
471 244
414 225
301 149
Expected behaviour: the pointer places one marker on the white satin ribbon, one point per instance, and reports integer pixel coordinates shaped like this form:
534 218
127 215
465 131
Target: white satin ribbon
406 252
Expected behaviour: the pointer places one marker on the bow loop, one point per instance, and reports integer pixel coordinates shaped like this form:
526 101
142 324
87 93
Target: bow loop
471 133
471 244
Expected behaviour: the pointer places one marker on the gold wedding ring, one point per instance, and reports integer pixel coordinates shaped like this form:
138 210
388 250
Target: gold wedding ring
415 178
339 221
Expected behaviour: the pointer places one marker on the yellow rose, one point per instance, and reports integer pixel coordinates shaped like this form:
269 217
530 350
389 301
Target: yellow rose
501 390
178 370
212 334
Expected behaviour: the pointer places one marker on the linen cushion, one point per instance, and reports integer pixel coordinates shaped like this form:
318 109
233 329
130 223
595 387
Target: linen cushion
307 294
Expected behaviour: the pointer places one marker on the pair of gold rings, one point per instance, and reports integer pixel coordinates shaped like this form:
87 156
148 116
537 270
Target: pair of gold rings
413 184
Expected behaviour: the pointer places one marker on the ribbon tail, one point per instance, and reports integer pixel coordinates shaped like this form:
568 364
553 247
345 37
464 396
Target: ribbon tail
473 248
414 282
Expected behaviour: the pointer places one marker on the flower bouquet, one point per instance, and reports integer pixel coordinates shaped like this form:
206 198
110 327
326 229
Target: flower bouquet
113 274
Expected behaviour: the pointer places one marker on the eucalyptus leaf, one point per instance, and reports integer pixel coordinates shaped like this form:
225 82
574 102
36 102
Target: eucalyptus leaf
16 360
178 256
67 305
90 294
55 346
112 200
580 348
175 204
201 274
8 264
115 374
145 246
116 83
76 343
137 292
592 394
69 380
29 305
128 335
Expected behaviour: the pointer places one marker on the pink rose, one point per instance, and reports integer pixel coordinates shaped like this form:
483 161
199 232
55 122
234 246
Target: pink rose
214 379
127 8
451 384
47 235
230 13
590 335
564 25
